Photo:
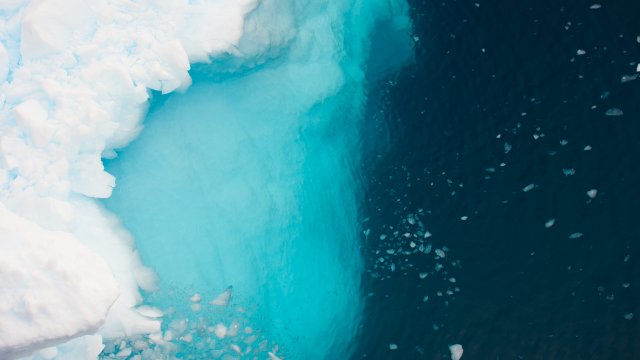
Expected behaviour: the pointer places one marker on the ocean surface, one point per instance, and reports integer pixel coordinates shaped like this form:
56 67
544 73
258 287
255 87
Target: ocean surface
487 197
503 95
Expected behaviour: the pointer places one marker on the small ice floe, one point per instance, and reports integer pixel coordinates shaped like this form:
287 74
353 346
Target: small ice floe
576 235
423 275
627 257
195 298
440 253
456 351
587 148
507 147
595 6
236 348
569 172
628 316
627 78
393 346
223 299
592 193
273 356
614 112
605 94
149 312
581 52
625 285
549 223
464 218
528 187
124 353
425 298
220 330
564 142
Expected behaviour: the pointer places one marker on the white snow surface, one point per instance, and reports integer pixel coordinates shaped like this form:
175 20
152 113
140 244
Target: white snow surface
74 84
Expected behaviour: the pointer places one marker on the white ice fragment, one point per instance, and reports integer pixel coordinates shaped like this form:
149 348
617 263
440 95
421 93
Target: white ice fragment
124 352
628 316
456 351
223 298
587 148
220 330
528 187
592 193
576 235
581 52
569 171
464 218
149 311
425 298
595 6
614 112
236 348
440 253
393 346
627 78
549 223
195 298
423 275
412 244
273 356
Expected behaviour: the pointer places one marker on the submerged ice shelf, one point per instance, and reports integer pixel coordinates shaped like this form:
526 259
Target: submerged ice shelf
248 179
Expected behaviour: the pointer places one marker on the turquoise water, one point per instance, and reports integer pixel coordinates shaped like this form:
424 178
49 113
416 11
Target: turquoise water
251 179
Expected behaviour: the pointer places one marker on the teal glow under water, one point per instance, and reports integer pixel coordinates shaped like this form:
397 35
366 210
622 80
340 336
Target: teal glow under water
252 182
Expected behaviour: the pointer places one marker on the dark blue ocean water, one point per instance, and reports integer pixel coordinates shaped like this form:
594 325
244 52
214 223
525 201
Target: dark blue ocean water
506 96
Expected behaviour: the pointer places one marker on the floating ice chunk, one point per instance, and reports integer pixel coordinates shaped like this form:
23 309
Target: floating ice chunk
456 351
549 223
150 312
614 112
393 346
223 298
627 78
195 298
592 193
220 330
528 187
273 356
464 218
628 316
423 275
440 253
587 148
581 52
569 172
124 353
576 235
595 6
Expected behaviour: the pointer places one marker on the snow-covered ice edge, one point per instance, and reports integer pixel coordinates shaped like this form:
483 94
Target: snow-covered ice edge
75 77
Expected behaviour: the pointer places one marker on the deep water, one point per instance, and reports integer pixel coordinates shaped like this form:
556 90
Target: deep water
498 99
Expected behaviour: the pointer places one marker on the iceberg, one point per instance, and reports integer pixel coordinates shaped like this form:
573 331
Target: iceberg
246 176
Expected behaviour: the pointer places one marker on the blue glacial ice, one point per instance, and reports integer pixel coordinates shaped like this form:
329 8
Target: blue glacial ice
248 178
